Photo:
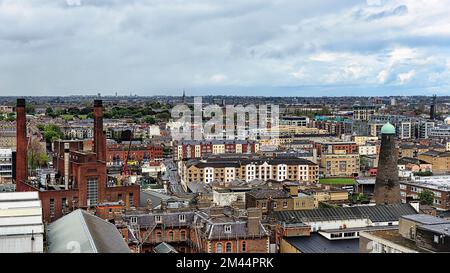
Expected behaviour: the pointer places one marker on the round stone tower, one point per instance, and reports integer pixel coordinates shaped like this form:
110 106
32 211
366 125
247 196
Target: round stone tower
387 188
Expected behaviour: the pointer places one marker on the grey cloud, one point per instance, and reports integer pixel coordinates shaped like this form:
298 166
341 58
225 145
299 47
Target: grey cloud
152 45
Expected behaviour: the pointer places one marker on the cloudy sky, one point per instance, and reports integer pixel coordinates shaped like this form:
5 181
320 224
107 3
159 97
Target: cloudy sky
231 47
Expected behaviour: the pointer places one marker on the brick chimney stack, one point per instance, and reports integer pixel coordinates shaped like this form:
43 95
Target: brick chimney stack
99 135
254 221
21 145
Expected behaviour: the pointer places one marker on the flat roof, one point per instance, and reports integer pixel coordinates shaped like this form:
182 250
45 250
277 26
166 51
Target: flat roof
316 243
438 228
442 185
425 219
395 237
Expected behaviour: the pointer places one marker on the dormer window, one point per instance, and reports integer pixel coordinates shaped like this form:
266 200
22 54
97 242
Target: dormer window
133 220
182 218
227 228
158 219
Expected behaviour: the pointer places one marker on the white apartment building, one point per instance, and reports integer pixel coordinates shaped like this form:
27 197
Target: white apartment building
367 149
227 170
5 166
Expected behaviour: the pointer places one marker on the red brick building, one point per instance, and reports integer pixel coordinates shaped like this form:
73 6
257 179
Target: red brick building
80 180
199 149
116 153
210 231
330 147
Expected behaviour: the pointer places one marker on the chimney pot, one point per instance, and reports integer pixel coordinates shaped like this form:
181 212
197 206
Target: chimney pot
98 103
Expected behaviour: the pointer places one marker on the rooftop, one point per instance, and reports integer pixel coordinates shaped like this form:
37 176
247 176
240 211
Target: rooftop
316 243
378 213
441 183
437 228
164 248
395 237
425 219
388 129
86 232
268 193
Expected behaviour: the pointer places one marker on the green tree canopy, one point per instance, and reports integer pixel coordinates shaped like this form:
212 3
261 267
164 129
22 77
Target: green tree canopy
51 133
426 197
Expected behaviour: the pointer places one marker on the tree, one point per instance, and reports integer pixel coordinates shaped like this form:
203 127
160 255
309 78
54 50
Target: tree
51 133
49 112
426 197
163 115
150 120
30 109
424 173
11 117
360 198
37 155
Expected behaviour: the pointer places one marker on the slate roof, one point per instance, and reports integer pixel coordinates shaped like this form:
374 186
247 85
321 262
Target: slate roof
243 160
316 243
406 160
266 193
214 227
425 219
378 213
168 218
157 197
434 153
443 229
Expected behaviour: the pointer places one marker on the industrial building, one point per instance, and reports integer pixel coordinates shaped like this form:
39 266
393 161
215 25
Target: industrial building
80 177
21 227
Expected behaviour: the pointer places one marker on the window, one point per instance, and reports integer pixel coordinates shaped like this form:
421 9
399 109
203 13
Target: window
158 219
285 204
130 199
182 218
170 235
275 205
183 235
244 246
91 191
64 205
227 228
159 236
52 208
436 239
228 247
219 248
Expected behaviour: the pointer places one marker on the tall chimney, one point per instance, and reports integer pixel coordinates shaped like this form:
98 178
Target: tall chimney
66 166
21 145
254 221
99 135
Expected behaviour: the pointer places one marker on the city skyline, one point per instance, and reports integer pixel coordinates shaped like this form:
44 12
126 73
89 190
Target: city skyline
256 48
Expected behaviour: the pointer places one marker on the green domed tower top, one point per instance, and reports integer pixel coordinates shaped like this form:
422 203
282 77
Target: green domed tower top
388 129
